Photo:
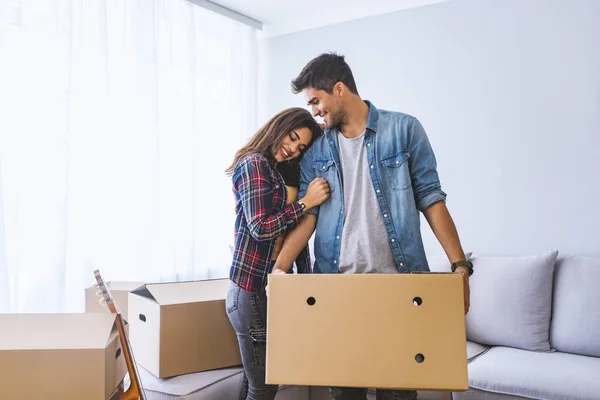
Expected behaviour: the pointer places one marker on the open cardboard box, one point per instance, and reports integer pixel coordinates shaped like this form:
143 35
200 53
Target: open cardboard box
120 293
182 327
394 331
60 356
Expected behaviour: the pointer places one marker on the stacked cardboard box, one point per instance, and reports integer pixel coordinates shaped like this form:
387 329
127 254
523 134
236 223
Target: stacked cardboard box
60 356
181 328
176 329
120 293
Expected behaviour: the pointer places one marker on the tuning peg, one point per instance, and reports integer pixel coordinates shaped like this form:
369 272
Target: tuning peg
99 293
102 301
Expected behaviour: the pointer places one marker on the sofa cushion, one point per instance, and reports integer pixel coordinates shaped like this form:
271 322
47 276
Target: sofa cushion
536 375
575 326
511 301
476 394
474 350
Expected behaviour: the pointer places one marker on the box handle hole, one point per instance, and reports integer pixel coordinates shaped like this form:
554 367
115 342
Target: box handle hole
417 301
419 358
142 317
311 301
118 353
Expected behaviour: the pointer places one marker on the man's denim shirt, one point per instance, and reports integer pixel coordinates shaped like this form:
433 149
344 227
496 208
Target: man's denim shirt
404 177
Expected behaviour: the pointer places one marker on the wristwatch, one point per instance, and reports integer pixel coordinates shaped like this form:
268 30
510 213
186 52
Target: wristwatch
302 206
463 263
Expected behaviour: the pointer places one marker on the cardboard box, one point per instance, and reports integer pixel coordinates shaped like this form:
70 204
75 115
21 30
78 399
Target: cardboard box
180 328
120 293
394 331
60 356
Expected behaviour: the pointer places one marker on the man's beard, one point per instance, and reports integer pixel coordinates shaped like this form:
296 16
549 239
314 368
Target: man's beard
335 119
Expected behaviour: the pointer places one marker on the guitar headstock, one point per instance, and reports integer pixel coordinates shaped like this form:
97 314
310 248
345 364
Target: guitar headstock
105 293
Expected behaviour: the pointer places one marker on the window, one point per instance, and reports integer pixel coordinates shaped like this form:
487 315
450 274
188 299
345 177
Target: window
117 122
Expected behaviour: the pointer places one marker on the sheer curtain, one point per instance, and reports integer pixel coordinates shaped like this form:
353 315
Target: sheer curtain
117 120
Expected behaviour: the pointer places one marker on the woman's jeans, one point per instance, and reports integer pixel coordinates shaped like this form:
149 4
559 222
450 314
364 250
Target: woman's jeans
248 315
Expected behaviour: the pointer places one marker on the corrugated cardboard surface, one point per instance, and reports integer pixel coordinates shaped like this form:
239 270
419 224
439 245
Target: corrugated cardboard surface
120 293
364 330
59 356
180 328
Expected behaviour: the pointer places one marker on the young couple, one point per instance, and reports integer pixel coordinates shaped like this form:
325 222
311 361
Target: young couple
360 184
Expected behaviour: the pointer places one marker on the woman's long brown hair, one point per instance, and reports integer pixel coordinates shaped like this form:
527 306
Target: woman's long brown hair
267 140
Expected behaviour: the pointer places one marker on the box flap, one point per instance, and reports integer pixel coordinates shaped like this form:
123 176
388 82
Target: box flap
118 285
185 292
56 331
124 285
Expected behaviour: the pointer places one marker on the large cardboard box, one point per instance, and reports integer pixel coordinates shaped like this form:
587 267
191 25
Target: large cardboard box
60 356
394 331
183 327
120 293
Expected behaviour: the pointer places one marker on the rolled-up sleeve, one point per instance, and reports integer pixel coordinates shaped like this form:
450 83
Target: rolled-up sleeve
423 166
307 175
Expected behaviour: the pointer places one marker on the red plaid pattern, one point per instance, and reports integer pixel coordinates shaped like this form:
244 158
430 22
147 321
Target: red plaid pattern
262 216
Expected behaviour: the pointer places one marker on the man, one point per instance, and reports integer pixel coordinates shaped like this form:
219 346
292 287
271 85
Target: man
381 172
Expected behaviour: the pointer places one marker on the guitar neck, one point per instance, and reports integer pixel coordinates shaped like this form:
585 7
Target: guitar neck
135 390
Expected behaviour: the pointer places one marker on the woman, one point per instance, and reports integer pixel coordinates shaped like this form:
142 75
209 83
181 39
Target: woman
265 178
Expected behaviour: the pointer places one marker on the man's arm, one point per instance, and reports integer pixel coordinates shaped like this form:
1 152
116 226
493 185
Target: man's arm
298 238
430 199
443 227
294 242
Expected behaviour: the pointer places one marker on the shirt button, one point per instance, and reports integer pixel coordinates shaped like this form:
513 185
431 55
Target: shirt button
397 162
393 240
372 167
368 144
402 264
323 167
337 237
378 190
335 261
384 215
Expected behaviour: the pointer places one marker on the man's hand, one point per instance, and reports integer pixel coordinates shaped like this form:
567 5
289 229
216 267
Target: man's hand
465 273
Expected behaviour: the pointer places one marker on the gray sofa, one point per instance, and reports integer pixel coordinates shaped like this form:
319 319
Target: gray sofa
538 318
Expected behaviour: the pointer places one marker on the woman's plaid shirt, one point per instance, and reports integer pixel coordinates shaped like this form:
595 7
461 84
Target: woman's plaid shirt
262 215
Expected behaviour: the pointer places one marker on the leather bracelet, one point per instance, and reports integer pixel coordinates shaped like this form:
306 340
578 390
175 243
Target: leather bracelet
463 263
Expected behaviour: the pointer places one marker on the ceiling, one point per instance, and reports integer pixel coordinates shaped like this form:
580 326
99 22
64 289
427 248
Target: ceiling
285 16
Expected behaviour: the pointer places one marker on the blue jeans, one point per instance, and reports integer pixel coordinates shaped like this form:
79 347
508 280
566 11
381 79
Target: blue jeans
340 393
248 315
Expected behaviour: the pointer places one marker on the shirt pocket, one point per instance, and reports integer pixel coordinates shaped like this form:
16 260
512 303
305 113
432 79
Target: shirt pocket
326 169
396 170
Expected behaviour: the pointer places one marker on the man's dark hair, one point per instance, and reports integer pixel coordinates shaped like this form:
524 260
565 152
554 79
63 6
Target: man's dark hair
323 72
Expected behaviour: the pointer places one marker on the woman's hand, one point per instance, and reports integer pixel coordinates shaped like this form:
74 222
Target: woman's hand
317 192
278 271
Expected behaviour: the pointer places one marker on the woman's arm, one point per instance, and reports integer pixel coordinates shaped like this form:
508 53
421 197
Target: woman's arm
252 179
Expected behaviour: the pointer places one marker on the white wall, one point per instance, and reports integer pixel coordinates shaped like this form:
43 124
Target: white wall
509 92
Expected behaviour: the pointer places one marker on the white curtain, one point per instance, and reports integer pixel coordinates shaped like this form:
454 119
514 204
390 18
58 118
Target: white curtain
117 121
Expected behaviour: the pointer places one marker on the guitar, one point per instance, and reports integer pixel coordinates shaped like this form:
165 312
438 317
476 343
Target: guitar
135 390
